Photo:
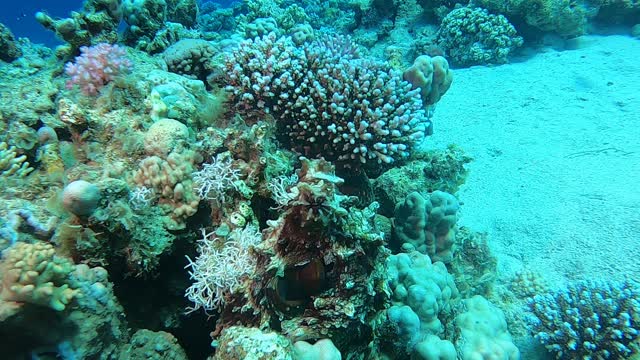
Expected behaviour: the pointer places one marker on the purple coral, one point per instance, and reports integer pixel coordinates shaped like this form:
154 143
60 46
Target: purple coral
96 66
327 101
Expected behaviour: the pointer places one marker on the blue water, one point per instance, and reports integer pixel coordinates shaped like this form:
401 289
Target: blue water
19 16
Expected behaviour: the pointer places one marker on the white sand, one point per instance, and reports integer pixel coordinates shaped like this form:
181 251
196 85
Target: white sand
556 142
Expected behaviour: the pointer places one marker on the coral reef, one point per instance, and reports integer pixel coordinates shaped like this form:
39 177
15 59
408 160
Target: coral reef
473 36
326 101
483 332
588 320
426 224
96 23
76 302
10 49
96 66
249 164
567 18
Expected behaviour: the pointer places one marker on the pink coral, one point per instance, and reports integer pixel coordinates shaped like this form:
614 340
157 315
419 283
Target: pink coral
97 66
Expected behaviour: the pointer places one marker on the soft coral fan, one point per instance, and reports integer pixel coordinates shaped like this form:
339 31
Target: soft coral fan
96 66
327 101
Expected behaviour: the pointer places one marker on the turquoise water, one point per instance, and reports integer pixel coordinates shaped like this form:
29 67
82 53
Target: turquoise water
275 179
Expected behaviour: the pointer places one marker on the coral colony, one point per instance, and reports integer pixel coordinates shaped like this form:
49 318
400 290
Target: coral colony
250 182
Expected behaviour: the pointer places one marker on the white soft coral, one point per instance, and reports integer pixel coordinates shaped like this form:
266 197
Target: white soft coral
221 266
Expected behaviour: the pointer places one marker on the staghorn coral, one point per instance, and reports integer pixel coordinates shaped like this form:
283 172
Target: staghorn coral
475 37
327 101
588 320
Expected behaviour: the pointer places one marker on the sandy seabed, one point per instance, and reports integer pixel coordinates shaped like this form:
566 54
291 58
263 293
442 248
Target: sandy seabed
555 180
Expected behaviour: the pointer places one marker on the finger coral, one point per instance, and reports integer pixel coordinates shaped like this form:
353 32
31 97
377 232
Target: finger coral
33 273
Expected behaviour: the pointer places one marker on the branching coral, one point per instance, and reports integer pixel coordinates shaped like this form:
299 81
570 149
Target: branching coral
327 101
589 320
12 164
33 273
